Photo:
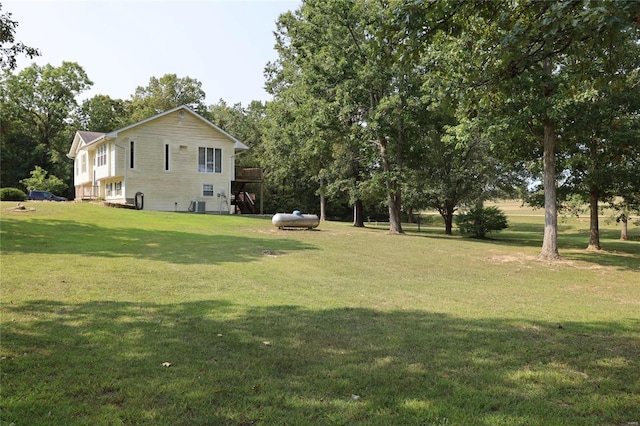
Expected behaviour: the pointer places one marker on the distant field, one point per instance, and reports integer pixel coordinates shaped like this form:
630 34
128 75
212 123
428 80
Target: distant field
516 208
113 316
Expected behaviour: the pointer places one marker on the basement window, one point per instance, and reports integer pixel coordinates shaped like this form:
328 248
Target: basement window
207 190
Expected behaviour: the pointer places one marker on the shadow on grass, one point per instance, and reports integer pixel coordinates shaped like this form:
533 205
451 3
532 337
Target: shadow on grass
102 363
68 237
572 244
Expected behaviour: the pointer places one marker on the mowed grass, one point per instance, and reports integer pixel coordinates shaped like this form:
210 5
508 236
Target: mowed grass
337 326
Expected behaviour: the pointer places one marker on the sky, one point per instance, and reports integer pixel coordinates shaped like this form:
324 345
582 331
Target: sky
224 44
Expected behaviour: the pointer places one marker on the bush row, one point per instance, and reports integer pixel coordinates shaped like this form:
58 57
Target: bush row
12 194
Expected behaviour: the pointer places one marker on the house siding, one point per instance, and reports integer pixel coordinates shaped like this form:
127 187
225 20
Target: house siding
83 175
174 189
134 159
102 171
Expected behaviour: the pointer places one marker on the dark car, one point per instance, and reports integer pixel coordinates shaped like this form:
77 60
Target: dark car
44 196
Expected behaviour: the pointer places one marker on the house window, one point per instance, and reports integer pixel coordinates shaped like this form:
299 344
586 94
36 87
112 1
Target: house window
218 154
83 162
132 154
118 188
207 190
166 157
101 156
210 160
109 189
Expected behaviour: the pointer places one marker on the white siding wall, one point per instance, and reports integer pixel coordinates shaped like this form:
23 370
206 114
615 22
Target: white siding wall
103 170
82 175
174 189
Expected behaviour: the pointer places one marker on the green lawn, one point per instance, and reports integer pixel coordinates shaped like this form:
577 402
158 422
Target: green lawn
337 326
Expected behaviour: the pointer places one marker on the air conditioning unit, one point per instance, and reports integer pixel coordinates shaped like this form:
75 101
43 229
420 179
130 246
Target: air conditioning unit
197 206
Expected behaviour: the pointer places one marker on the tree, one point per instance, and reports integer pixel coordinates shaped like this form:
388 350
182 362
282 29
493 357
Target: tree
604 127
452 161
17 151
287 161
251 132
455 174
36 104
624 209
9 48
39 181
101 113
523 49
361 58
165 93
304 108
350 175
479 221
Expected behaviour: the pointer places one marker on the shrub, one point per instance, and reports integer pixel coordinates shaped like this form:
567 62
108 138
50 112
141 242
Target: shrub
479 221
39 181
12 194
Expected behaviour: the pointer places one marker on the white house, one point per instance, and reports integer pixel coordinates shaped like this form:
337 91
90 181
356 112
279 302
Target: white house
174 161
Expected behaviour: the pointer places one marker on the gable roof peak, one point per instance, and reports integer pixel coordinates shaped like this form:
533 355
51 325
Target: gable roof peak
237 144
89 136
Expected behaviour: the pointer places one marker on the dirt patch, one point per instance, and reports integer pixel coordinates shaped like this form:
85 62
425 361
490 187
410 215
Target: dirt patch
522 259
519 258
20 208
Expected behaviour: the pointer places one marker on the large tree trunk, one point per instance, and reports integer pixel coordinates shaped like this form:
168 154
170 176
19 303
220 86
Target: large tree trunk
395 224
448 223
358 214
323 202
447 215
623 230
550 239
393 193
594 229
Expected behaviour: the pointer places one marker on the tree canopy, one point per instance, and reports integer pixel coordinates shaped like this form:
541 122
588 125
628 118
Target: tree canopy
37 104
165 93
9 47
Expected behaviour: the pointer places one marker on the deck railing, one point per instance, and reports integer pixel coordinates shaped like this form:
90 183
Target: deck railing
88 192
249 173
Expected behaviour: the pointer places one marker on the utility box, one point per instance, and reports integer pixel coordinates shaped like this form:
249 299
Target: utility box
197 206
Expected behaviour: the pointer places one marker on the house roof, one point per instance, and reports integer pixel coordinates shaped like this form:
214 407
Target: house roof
238 145
88 138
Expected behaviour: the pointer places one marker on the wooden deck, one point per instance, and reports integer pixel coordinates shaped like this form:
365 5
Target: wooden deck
241 198
249 175
87 193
